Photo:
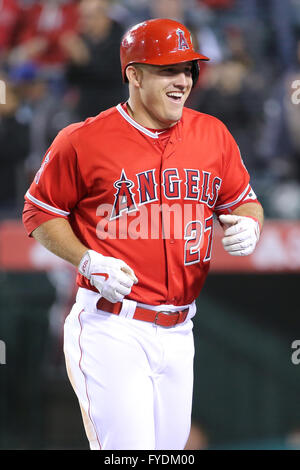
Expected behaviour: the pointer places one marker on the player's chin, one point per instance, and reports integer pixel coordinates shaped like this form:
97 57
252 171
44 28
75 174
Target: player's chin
174 115
171 120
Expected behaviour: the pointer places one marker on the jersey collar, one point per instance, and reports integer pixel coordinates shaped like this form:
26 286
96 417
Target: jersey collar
125 115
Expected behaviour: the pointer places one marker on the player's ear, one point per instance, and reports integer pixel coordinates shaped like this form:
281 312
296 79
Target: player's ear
134 75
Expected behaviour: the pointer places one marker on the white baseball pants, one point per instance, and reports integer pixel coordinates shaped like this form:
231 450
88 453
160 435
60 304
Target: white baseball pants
133 379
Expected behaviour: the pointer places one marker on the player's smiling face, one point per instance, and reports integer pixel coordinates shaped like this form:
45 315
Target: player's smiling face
158 100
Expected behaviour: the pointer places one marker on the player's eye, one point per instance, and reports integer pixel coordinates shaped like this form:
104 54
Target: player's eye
170 70
175 71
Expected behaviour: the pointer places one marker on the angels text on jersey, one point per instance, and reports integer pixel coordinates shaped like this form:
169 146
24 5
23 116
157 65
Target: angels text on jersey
196 187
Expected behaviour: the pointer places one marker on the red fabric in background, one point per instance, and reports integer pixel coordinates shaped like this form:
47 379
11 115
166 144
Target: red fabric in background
217 3
10 14
34 27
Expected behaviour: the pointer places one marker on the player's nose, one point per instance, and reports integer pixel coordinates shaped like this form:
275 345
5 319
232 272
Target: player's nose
181 80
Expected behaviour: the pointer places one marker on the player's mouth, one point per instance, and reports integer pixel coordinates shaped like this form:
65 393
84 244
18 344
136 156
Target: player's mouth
175 96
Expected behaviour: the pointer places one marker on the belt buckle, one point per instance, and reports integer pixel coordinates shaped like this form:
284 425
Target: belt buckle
166 313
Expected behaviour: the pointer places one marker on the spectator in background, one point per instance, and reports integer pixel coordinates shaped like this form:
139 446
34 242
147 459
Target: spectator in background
44 24
217 3
279 143
280 140
10 14
172 9
233 91
44 114
94 59
14 145
268 23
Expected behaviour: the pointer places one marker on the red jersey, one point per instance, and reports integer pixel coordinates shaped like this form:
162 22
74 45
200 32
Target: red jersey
145 197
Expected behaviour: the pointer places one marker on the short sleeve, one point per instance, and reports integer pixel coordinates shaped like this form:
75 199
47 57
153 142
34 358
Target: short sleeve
235 189
57 186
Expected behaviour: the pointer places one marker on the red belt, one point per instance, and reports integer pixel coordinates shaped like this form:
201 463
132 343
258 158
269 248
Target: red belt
161 318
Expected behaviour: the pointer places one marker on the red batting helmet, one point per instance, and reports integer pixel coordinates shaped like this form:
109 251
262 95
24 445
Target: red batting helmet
159 42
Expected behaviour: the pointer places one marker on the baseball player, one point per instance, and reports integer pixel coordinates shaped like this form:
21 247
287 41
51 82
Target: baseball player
128 197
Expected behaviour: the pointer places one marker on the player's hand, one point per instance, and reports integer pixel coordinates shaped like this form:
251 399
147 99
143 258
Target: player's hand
240 234
111 276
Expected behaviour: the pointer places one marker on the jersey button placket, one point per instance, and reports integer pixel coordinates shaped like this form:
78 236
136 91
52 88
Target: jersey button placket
170 241
170 244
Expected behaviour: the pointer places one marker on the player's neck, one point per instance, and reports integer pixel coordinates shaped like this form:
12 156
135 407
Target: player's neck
145 121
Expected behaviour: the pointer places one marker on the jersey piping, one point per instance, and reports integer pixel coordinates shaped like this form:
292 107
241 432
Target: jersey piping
131 121
46 206
225 206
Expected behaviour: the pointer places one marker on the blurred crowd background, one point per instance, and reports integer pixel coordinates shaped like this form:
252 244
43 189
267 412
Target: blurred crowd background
59 62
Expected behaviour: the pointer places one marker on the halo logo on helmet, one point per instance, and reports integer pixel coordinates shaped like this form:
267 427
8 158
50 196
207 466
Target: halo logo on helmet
182 44
159 42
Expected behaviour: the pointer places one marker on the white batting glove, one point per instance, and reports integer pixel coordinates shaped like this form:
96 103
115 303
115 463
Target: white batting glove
240 234
111 276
